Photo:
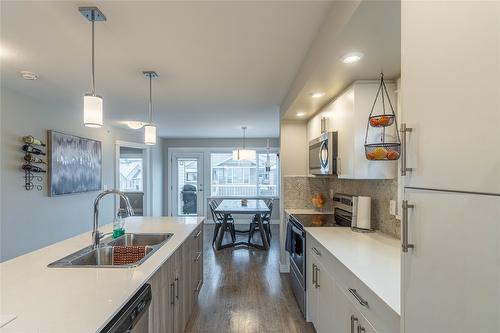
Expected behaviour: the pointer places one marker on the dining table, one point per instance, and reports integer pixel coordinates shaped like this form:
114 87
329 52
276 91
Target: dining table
256 208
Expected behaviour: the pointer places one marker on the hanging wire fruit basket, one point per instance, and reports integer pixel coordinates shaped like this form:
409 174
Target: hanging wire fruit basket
382 142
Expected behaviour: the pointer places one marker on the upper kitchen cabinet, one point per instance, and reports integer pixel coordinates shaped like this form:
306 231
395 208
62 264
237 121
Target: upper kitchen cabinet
348 116
450 94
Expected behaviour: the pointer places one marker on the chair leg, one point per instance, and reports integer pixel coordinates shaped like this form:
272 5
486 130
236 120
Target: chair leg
233 232
216 232
269 229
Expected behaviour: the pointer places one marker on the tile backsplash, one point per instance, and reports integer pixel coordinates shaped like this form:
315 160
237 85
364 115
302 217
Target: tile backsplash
298 191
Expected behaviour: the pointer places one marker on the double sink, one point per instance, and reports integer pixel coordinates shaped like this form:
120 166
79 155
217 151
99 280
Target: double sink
102 256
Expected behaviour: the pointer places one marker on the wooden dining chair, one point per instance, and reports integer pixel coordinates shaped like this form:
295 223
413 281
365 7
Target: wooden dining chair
218 220
266 222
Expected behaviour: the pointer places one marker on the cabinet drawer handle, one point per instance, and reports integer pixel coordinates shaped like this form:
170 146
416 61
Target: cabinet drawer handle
172 293
354 319
197 257
316 251
361 329
198 286
358 297
403 131
198 234
317 277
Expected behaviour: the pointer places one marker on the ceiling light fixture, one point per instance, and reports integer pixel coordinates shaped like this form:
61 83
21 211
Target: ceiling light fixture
351 58
133 124
301 114
149 128
27 75
92 103
317 94
244 154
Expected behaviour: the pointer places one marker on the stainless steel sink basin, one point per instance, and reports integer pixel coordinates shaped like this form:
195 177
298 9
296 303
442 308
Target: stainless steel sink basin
103 256
139 240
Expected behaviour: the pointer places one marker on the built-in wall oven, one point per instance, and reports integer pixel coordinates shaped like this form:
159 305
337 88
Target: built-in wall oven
323 154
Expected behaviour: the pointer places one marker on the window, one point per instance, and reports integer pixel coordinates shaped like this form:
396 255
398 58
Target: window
131 174
232 178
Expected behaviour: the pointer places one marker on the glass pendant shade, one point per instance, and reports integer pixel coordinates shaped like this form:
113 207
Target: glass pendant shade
92 110
244 154
150 134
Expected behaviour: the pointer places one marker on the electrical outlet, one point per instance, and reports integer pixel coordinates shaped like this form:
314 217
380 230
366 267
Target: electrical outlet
392 207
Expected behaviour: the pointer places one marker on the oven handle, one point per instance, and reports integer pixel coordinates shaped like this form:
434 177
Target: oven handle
297 230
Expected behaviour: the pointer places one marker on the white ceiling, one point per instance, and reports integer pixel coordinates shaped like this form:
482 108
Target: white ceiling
370 27
221 64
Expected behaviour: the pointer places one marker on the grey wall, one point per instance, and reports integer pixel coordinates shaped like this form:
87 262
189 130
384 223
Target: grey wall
210 143
32 219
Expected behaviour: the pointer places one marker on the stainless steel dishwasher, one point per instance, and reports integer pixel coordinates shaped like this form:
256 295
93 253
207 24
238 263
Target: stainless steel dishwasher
134 316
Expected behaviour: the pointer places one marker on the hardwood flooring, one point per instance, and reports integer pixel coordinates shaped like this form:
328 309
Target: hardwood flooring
243 291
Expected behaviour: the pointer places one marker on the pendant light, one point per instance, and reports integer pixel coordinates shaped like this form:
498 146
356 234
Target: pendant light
149 128
92 103
244 154
268 160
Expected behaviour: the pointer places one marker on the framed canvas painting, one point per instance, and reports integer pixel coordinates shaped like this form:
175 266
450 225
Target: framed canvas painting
75 164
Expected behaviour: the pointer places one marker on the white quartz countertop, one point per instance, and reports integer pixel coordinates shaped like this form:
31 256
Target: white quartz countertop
80 299
306 211
374 258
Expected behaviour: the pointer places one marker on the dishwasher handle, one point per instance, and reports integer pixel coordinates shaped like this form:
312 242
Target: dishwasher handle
131 313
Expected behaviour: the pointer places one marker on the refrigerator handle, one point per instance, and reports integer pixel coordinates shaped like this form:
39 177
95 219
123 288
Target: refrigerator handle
403 131
404 225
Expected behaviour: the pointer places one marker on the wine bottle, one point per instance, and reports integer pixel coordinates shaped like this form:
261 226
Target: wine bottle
33 141
32 168
32 150
32 159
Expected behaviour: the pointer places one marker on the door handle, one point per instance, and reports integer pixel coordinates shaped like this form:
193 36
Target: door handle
354 319
172 293
177 287
403 131
358 297
317 277
198 256
314 275
404 226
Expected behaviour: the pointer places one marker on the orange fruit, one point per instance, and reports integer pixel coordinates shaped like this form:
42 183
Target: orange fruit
392 154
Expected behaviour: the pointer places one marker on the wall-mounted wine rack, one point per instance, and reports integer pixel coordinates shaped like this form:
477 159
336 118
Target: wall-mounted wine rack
33 164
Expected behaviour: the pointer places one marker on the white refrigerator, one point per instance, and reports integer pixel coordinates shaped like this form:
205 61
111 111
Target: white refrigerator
450 102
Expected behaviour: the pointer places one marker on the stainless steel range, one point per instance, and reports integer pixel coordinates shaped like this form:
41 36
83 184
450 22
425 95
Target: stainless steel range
295 244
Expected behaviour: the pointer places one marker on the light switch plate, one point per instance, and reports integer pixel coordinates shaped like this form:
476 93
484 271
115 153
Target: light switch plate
392 207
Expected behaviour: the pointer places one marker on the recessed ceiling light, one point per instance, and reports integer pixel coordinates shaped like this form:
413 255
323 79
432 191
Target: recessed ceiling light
135 124
27 75
317 94
301 114
351 58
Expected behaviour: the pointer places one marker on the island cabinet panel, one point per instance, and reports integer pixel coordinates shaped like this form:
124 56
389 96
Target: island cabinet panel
175 286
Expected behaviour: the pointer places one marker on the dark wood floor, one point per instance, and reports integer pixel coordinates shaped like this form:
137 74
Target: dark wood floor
243 291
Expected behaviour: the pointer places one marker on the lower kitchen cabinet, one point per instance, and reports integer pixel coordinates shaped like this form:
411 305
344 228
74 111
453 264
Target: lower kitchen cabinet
337 302
175 286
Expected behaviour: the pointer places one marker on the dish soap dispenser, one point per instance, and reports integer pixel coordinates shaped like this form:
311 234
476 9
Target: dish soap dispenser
118 224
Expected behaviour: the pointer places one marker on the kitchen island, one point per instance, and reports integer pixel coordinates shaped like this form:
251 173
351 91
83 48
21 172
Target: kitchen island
77 300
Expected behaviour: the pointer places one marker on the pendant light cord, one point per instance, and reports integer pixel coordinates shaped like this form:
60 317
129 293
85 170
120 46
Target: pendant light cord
244 135
150 99
93 51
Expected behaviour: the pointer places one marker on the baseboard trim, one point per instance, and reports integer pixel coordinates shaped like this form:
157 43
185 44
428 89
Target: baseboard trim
284 268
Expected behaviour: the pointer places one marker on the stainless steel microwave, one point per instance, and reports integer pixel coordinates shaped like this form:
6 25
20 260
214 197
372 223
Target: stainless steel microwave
323 154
